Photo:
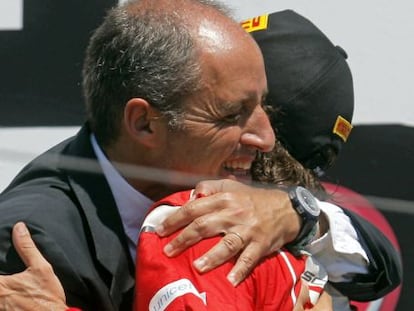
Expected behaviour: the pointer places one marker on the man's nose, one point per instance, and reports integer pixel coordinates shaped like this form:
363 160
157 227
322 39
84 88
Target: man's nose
259 134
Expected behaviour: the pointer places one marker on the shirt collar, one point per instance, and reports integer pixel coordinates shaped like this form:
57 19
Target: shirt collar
132 204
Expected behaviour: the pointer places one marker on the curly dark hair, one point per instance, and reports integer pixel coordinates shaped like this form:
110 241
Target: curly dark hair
278 167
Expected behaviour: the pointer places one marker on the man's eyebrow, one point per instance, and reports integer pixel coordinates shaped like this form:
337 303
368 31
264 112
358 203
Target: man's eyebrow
253 95
231 105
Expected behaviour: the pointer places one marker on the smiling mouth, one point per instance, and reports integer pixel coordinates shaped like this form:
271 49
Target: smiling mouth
238 168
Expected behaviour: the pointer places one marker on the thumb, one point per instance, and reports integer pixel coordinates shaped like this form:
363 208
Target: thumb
25 246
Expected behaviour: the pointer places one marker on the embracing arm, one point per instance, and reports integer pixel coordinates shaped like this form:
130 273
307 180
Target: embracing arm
242 215
62 245
362 263
265 221
384 269
21 290
237 208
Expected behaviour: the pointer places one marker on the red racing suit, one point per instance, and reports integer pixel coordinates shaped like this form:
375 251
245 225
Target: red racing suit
172 284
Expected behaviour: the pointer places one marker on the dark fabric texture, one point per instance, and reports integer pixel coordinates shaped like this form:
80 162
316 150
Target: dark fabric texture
385 264
74 221
310 85
378 161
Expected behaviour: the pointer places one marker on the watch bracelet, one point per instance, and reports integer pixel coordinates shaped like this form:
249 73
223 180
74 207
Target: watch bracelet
297 246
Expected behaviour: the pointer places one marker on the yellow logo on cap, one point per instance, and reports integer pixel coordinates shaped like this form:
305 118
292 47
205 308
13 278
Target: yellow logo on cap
255 23
342 128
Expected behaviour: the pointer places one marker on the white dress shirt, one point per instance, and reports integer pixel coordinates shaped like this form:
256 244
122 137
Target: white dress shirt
132 204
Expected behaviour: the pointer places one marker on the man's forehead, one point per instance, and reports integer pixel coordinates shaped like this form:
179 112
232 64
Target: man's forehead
213 37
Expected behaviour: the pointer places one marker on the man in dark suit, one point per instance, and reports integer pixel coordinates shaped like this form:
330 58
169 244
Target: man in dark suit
160 91
180 92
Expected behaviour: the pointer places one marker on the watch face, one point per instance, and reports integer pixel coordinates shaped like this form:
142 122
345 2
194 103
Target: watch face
308 201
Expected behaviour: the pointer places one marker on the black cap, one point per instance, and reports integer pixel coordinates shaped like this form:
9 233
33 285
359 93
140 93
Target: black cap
310 85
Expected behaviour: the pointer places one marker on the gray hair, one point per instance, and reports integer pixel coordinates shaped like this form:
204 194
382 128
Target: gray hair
147 53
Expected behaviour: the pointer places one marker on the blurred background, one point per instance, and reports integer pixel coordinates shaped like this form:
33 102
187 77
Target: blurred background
42 45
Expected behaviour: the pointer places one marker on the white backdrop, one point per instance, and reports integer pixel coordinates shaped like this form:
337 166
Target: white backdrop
377 34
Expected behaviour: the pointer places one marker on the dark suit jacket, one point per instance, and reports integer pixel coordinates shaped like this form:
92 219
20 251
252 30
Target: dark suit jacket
74 221
73 218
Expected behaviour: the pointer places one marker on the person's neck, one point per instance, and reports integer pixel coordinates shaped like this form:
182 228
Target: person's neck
139 173
155 191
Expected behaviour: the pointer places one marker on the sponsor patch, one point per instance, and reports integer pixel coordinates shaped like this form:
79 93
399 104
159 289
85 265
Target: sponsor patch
255 23
342 128
171 291
315 276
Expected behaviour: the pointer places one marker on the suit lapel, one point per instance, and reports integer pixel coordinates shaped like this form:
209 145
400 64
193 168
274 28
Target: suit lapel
106 231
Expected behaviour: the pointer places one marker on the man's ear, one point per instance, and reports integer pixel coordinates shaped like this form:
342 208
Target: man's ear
138 115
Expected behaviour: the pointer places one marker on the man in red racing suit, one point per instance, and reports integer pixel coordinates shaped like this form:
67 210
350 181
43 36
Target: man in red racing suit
164 283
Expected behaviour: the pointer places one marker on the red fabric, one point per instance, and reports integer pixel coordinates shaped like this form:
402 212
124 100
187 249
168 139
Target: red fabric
269 287
357 203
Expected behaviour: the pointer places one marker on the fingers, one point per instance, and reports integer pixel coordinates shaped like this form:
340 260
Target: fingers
257 223
303 298
232 245
207 203
37 287
25 246
209 216
202 227
196 212
324 303
229 246
245 263
182 241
